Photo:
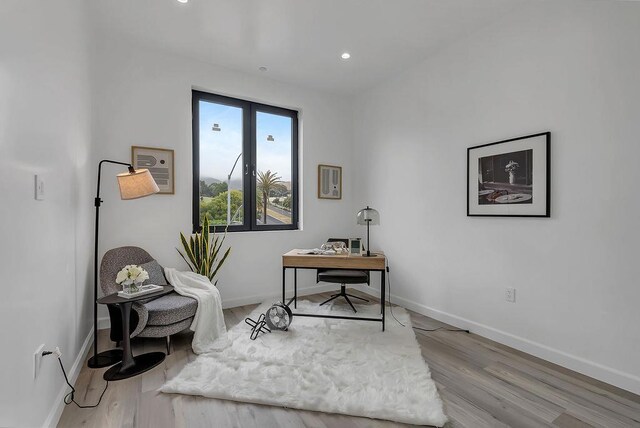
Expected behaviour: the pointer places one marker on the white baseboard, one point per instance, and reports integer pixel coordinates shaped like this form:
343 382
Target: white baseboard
592 369
104 323
259 298
58 406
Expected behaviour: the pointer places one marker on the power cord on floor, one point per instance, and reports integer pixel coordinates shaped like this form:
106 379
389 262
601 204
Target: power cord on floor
68 399
415 328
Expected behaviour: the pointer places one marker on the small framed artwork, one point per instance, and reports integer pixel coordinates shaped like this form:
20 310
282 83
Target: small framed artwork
355 246
159 162
510 178
329 182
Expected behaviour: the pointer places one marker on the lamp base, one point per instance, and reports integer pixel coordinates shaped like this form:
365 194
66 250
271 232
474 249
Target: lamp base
105 359
369 255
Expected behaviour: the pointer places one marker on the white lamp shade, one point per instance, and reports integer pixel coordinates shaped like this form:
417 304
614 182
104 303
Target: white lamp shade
368 216
137 184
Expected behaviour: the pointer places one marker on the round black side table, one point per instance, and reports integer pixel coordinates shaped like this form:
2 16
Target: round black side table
131 366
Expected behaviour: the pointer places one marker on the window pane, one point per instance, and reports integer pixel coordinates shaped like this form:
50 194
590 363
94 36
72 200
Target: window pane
274 169
220 146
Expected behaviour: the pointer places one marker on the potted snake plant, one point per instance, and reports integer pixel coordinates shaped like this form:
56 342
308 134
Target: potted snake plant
203 251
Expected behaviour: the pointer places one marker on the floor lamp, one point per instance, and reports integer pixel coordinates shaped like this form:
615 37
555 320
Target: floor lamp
368 216
133 184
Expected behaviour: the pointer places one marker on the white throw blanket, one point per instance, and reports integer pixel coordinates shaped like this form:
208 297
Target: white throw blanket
210 332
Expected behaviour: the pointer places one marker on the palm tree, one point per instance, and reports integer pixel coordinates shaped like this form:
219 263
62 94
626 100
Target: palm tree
268 182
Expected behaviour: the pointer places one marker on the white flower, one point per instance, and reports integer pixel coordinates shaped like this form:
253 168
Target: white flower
142 277
122 276
134 271
131 274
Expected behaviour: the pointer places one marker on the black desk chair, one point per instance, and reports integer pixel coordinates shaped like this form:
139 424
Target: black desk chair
343 277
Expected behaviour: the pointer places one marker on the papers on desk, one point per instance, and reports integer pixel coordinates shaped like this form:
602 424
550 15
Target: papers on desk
318 251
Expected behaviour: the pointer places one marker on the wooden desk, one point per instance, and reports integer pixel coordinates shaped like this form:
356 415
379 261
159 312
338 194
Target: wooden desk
294 260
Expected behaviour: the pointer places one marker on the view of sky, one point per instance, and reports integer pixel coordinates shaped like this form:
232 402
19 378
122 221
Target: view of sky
219 149
274 155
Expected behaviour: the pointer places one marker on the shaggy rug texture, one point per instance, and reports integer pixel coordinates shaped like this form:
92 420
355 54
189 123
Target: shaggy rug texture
326 365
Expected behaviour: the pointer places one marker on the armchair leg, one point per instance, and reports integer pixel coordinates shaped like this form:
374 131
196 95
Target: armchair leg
168 340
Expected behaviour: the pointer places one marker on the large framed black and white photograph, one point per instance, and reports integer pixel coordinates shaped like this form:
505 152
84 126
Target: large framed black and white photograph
510 178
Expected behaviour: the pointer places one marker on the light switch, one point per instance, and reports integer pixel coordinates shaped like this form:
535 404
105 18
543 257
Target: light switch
39 188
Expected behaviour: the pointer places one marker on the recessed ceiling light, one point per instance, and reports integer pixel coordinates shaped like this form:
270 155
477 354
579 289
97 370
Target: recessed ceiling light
262 68
346 55
183 1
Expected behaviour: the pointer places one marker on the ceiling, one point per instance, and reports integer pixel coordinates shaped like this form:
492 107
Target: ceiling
300 41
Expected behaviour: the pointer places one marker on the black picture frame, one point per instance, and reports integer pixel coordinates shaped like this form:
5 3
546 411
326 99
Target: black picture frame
526 195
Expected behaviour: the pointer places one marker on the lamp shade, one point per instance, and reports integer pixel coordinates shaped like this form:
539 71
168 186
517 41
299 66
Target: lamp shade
368 216
137 184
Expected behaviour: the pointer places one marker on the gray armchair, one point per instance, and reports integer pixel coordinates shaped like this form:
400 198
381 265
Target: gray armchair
161 317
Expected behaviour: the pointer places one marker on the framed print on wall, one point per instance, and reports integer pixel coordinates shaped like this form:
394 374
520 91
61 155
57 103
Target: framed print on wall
159 162
329 182
510 178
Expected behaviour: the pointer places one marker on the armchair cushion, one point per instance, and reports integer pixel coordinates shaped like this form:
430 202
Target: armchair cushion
114 260
156 273
170 309
163 311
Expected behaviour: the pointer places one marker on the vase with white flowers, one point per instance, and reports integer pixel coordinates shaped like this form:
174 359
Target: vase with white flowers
511 168
130 277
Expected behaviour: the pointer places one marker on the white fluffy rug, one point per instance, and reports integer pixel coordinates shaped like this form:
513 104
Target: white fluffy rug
327 365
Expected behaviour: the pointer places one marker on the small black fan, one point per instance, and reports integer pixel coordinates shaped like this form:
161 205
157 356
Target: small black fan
279 316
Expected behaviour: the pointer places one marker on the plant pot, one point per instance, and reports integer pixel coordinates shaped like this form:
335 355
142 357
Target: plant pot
512 177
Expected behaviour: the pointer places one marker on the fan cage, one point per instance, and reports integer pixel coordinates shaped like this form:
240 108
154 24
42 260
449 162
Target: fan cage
279 317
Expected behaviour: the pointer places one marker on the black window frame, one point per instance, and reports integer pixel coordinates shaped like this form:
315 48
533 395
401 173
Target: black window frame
250 110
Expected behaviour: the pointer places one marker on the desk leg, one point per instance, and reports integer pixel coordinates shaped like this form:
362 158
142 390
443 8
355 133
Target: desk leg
284 273
382 295
295 288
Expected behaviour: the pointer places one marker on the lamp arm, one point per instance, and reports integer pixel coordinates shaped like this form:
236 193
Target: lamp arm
98 200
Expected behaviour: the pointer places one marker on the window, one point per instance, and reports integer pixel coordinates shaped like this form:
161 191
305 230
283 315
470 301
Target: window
245 164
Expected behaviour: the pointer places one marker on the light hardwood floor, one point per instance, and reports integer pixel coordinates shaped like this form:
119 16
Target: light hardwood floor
482 384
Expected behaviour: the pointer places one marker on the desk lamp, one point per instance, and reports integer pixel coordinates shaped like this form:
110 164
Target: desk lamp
133 184
368 216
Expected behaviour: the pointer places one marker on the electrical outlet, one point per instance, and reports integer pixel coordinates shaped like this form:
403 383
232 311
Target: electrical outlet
39 190
510 295
37 359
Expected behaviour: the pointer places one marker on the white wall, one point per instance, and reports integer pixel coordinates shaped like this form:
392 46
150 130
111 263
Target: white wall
143 97
46 245
570 68
566 67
